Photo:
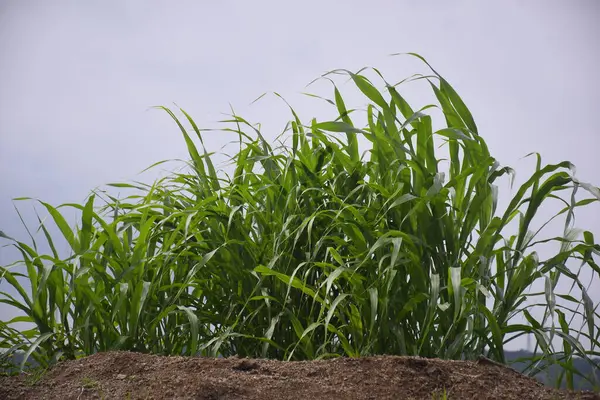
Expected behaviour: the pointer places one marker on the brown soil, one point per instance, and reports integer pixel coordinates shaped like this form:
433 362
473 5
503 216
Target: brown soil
126 375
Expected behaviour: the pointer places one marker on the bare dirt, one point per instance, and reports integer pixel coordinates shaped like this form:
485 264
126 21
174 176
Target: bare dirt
126 375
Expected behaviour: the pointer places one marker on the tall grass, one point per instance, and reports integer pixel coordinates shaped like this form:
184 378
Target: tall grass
315 250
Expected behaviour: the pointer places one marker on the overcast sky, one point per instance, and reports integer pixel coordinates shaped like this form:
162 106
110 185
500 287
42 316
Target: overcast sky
77 80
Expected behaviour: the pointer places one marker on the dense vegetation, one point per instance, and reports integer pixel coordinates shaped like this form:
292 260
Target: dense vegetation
315 250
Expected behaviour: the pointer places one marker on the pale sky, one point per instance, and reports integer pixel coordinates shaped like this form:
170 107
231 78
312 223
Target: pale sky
77 80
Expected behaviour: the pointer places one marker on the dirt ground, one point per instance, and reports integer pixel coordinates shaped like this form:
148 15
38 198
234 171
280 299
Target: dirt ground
126 375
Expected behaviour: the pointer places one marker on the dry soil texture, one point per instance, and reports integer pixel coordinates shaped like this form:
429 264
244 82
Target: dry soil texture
126 375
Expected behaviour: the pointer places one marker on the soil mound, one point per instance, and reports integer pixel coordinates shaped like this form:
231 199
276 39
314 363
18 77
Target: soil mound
127 375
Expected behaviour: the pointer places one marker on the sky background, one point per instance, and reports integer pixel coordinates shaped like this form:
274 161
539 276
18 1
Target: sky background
77 80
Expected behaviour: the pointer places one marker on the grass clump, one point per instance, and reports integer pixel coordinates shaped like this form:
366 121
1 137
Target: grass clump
314 249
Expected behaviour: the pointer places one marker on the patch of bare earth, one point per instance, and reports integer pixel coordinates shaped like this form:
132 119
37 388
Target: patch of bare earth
126 375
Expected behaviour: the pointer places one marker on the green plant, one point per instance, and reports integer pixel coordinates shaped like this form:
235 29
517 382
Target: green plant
91 384
88 383
34 375
314 250
440 396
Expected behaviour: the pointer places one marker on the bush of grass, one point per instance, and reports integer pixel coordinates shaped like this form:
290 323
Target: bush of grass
315 249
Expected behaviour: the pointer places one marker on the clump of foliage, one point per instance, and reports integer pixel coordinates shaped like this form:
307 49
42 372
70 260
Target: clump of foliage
315 250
